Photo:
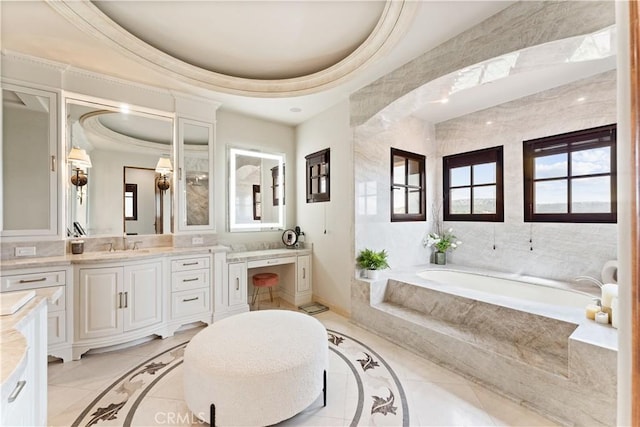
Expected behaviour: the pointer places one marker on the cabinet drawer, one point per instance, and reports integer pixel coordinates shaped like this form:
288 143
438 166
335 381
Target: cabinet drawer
189 302
189 264
33 280
271 261
186 280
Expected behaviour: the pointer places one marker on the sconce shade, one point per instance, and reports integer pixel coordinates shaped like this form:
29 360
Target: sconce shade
164 166
79 157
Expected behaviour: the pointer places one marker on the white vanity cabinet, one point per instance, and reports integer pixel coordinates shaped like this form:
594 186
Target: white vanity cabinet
303 282
59 314
191 290
237 286
117 303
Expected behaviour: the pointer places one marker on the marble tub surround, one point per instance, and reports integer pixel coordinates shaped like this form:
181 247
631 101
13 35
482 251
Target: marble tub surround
558 363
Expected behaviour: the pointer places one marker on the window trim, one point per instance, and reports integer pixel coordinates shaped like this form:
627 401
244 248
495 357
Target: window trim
470 158
405 217
313 159
570 138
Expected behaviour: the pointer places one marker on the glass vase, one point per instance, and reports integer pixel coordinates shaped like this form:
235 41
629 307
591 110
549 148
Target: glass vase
440 258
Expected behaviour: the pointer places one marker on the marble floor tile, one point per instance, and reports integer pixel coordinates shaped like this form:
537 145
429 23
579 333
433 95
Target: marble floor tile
435 396
93 371
506 412
444 404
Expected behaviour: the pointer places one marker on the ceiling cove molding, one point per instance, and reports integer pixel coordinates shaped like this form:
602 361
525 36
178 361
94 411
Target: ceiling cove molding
393 22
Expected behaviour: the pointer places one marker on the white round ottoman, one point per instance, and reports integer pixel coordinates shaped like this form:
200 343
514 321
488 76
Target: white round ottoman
256 368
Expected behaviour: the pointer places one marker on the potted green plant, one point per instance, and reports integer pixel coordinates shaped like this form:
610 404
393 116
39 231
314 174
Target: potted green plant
371 262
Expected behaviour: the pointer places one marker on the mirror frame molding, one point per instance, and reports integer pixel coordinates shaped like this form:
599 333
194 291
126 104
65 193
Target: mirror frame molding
231 211
181 178
124 107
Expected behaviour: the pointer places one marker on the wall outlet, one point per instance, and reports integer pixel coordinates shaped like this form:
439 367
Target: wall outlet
197 240
26 251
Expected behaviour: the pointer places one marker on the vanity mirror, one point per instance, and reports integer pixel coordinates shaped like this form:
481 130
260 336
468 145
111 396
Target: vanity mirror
256 190
124 185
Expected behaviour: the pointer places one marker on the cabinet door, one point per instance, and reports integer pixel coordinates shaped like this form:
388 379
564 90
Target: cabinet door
142 299
30 162
237 284
100 299
304 274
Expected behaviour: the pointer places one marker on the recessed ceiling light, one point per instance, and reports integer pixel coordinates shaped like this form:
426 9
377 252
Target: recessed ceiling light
489 122
444 100
582 98
295 109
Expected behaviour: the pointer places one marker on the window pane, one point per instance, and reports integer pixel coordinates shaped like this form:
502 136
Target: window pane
596 160
398 201
414 172
550 196
398 170
323 168
484 174
414 202
323 184
591 195
460 201
128 204
460 176
484 199
314 186
550 166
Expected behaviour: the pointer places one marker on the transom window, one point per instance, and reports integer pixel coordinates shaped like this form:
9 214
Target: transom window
407 186
473 188
571 177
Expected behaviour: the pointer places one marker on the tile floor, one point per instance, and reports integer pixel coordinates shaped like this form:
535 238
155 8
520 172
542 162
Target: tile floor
436 396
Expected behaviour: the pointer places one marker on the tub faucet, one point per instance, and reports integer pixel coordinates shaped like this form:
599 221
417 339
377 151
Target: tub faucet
589 279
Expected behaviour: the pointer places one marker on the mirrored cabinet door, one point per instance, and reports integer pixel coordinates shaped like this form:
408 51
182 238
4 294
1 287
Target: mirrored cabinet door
30 162
195 176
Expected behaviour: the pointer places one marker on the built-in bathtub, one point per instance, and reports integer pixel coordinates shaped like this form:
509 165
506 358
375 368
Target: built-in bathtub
524 337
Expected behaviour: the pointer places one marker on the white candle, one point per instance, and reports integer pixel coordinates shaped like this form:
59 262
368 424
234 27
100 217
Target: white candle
602 317
614 312
609 290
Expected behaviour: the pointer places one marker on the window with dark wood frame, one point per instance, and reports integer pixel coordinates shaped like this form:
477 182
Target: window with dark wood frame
473 186
571 177
317 177
408 194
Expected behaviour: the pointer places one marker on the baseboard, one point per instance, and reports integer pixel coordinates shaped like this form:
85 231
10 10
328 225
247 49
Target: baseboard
338 310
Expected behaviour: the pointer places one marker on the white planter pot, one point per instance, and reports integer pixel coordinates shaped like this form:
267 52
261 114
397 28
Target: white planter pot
373 274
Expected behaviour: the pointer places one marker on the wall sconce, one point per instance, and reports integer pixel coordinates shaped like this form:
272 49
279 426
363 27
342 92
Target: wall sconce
164 168
81 160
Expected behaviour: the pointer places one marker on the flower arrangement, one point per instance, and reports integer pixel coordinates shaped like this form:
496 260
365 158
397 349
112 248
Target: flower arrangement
442 242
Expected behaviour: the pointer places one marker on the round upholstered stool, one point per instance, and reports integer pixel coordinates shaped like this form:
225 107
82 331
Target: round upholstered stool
263 280
256 368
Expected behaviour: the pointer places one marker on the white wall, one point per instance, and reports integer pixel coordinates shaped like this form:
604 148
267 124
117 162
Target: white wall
240 131
560 251
329 225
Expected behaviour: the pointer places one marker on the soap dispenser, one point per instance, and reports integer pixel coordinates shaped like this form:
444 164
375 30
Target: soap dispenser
593 308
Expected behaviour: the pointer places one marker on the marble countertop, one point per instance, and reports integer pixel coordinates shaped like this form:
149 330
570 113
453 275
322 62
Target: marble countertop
13 345
105 256
265 254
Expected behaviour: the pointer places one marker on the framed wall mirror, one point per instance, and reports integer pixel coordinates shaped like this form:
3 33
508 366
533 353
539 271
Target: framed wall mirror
110 152
29 162
256 185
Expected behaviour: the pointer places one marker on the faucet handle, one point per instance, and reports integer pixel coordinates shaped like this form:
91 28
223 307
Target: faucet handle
110 247
135 245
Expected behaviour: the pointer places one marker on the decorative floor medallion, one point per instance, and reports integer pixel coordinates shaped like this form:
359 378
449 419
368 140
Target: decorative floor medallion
381 399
